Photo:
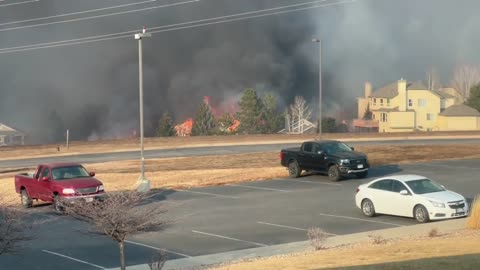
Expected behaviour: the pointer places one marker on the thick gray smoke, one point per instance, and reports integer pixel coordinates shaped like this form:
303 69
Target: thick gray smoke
92 89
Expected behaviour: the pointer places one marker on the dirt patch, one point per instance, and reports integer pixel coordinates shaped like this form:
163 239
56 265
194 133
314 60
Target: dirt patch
464 242
187 172
101 146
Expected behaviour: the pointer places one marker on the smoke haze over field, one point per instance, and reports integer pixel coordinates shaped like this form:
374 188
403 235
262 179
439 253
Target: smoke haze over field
92 89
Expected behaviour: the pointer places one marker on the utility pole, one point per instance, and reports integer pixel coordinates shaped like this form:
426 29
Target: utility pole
143 184
320 107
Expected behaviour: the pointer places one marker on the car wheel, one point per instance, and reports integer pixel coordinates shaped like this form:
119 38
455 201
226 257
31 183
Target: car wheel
367 208
362 174
294 170
57 206
25 199
421 214
334 173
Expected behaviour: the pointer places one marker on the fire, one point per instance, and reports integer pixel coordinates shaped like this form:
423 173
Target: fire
184 129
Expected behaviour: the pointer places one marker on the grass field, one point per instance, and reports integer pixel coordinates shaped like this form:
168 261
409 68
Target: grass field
458 250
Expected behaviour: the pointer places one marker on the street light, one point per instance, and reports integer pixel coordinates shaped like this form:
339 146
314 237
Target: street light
316 40
143 184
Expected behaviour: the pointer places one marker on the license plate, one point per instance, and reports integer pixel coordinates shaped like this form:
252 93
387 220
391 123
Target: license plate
360 166
459 210
89 199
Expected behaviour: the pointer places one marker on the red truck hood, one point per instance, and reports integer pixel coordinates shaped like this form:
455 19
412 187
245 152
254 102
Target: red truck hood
78 183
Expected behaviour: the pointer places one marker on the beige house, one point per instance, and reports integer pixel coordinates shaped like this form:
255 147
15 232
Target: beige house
410 106
10 136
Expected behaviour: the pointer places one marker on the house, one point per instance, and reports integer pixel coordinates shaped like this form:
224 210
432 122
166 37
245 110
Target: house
410 106
10 136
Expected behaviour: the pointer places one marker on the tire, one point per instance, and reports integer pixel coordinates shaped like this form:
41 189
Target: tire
368 209
421 214
25 199
334 173
362 174
57 205
294 170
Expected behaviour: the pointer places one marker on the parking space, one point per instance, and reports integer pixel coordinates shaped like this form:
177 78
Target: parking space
233 217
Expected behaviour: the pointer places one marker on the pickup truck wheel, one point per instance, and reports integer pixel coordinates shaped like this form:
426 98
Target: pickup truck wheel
294 170
334 173
25 199
57 205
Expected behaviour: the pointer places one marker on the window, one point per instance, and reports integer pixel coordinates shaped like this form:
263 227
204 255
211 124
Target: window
410 103
45 172
422 102
381 102
69 172
398 186
423 186
388 102
385 185
430 116
332 148
374 101
384 117
308 147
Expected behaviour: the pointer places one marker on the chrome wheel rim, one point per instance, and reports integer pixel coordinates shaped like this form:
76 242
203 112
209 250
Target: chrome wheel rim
420 214
333 172
24 198
367 208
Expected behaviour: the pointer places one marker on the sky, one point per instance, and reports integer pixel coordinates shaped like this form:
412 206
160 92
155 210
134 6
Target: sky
92 88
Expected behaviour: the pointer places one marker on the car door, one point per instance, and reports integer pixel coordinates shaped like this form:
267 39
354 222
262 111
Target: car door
305 156
402 205
380 193
44 187
319 158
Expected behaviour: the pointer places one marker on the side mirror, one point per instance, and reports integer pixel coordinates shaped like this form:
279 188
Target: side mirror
404 192
92 174
45 178
320 152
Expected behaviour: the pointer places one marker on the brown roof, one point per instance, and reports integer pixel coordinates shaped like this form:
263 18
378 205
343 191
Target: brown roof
391 90
460 110
416 86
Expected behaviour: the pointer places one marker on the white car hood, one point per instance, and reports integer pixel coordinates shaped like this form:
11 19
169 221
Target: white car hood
443 196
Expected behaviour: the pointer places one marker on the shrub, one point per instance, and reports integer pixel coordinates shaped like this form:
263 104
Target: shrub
317 237
473 221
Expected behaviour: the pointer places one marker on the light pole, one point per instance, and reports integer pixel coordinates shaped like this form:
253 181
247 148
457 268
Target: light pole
143 183
320 107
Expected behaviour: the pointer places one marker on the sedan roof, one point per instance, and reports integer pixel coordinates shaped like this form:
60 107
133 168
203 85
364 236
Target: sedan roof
404 177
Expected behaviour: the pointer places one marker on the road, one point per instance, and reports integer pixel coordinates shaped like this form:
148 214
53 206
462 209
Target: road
203 151
233 217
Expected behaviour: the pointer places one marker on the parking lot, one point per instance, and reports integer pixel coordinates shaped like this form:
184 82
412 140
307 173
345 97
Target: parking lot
232 217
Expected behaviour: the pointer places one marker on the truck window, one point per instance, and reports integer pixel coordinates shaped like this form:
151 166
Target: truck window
45 173
38 172
308 147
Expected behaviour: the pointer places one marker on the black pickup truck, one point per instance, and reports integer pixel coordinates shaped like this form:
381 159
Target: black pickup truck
328 156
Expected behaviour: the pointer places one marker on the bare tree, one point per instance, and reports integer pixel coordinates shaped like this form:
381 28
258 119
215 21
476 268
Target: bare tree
465 77
158 261
299 113
13 229
120 215
433 79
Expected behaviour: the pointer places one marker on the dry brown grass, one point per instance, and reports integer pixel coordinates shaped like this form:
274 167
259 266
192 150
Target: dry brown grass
83 147
368 253
473 221
187 172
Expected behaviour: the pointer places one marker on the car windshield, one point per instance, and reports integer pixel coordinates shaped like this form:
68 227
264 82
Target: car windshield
69 172
332 148
423 186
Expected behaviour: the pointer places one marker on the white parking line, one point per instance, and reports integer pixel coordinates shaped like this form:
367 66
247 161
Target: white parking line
314 182
206 193
271 189
446 166
287 227
73 259
361 219
230 238
156 248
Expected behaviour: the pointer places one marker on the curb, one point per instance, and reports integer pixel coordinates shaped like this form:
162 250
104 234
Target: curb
447 226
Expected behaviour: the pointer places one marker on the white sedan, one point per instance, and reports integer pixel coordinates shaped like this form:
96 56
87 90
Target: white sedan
410 196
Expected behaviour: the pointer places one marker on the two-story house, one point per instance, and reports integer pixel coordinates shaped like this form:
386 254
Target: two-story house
405 107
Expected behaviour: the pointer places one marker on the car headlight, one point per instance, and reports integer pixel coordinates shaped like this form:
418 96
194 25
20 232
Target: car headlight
437 204
68 191
101 188
345 161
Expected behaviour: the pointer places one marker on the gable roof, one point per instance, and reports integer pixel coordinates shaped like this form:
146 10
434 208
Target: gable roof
388 91
460 110
391 90
9 131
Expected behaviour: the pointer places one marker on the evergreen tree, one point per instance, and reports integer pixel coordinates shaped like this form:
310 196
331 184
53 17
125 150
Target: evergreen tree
273 120
250 115
204 121
165 126
368 114
474 98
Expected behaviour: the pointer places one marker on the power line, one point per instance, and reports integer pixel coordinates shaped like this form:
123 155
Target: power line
77 13
19 3
173 27
97 16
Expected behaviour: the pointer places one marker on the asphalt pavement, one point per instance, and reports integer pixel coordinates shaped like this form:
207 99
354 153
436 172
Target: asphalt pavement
232 217
205 151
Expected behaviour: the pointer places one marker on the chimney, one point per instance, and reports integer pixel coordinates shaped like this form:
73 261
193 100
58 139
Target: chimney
402 95
368 89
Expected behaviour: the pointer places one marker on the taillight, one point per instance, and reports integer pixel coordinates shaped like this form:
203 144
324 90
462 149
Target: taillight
281 155
358 189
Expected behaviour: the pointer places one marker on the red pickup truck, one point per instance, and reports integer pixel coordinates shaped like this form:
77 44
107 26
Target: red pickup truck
52 181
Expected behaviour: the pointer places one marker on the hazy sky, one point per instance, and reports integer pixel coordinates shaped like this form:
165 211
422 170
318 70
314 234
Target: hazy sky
93 88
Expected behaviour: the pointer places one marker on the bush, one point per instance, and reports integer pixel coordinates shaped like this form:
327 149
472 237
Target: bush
473 221
317 237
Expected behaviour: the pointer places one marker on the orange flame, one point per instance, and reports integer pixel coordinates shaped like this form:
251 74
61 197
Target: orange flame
184 129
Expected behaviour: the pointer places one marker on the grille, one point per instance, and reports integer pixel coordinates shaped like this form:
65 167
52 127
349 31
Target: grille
89 190
455 205
357 161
